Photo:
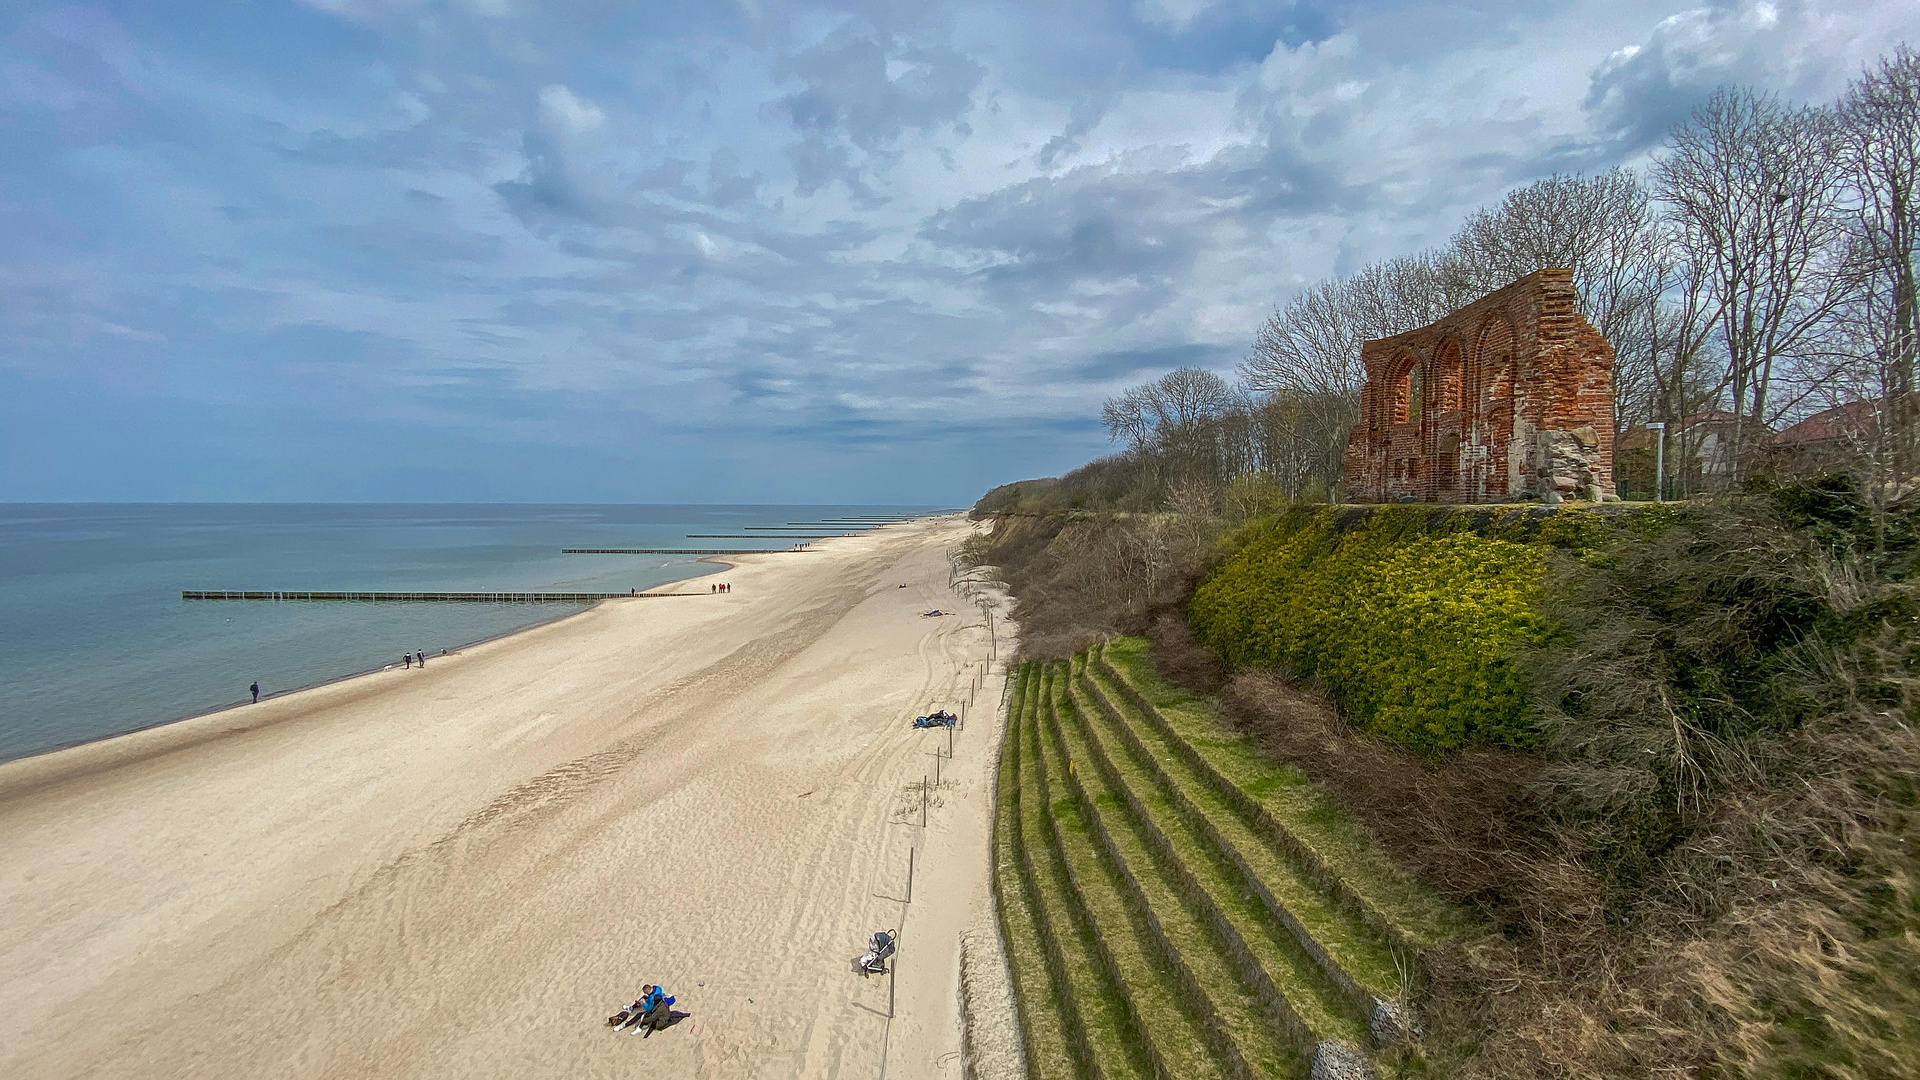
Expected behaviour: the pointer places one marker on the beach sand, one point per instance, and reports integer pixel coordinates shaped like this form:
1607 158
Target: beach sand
462 871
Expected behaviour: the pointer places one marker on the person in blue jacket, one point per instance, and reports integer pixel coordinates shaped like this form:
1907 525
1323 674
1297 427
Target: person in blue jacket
655 1010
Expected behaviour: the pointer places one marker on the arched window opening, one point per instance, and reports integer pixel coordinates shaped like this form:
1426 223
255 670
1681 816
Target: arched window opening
1406 390
1493 362
1445 389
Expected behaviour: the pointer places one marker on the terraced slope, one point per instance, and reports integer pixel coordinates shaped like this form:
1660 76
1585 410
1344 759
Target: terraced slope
1174 906
1351 868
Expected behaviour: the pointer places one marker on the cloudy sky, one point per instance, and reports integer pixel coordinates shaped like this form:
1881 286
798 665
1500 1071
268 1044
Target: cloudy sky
602 250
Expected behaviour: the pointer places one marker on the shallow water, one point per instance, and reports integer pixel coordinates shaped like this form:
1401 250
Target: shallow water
95 640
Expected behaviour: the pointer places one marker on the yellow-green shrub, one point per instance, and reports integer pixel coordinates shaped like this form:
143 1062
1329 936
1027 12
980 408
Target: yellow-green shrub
1411 631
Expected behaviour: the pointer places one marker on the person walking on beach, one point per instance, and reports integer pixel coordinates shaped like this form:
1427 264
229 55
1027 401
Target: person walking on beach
421 655
407 660
256 691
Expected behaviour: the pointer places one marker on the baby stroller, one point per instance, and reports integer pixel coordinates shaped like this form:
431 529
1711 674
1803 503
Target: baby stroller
874 960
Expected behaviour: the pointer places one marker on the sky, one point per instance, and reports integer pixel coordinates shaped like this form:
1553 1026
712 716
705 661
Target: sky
747 251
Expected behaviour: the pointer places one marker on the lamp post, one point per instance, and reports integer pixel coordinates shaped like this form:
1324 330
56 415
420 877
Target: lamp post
1659 461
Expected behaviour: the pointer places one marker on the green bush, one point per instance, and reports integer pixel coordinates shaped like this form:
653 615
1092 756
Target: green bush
1408 618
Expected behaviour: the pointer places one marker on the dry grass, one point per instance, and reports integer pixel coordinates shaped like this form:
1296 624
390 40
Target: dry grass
1080 578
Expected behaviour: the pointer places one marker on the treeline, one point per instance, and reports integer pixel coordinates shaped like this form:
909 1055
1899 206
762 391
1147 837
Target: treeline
1761 270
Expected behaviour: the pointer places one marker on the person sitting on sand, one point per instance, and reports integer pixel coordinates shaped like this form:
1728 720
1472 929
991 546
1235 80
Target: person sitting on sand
632 1011
655 1013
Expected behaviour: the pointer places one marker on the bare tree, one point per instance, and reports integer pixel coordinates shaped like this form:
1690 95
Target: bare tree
1185 398
1677 330
1601 227
1755 201
1306 359
1880 137
1128 418
1404 294
1309 346
1173 423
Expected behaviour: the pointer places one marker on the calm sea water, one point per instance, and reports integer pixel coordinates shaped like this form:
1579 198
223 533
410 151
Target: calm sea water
95 640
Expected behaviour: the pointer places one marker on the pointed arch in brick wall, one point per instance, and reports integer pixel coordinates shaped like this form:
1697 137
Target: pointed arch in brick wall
1508 398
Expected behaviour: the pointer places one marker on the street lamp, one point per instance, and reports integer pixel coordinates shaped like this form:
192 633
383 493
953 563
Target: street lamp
1659 461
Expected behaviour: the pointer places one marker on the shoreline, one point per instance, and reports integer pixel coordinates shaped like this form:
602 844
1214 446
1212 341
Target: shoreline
334 680
622 794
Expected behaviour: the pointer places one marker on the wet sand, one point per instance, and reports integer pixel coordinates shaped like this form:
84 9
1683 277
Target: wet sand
461 871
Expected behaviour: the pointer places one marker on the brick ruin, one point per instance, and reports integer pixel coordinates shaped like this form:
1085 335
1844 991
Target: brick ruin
1508 398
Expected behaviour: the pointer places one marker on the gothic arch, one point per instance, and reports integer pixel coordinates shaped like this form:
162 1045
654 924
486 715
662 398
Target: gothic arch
1445 374
1404 382
1493 364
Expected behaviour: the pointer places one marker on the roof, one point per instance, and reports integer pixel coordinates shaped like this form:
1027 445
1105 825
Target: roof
1850 420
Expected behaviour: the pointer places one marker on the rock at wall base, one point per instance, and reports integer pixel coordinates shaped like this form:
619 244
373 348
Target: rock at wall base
1338 1061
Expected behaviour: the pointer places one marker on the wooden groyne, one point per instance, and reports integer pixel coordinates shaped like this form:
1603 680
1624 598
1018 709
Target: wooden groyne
845 529
758 536
417 597
675 551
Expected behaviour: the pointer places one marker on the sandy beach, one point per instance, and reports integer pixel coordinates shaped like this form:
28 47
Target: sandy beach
461 870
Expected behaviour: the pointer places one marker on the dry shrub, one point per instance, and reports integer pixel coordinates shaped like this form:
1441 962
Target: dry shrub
1180 658
1471 829
1078 578
1777 939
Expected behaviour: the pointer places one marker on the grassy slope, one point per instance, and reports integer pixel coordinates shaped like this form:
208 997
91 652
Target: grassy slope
1229 1006
1155 930
1105 1032
1038 1001
1412 915
1171 1036
1322 1008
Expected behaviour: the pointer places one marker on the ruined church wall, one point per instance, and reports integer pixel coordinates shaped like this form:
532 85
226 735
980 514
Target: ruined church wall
1508 398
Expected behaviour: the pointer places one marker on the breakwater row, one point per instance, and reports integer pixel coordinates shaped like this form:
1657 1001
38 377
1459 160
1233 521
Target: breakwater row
415 597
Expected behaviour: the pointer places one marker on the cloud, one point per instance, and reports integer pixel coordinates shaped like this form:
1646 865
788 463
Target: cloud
1175 15
862 250
1802 48
873 89
567 113
545 184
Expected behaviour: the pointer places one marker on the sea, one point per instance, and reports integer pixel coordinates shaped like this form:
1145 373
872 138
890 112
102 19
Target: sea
95 639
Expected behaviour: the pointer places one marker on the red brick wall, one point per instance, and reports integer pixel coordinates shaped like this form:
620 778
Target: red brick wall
1494 374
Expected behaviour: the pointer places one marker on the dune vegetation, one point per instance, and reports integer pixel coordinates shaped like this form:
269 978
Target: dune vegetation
1469 791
